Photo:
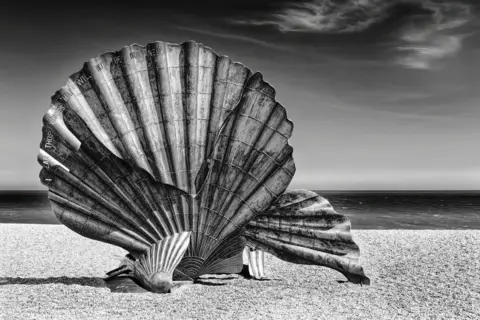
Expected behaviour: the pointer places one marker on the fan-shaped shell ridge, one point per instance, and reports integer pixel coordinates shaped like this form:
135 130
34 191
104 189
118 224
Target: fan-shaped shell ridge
151 141
302 227
150 104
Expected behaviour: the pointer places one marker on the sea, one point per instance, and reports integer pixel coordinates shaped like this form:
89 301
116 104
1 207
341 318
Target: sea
380 210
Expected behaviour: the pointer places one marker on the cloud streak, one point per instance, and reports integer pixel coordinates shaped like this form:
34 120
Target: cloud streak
427 35
325 16
238 37
428 54
425 44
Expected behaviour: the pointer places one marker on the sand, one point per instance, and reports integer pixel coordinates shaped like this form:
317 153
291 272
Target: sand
50 272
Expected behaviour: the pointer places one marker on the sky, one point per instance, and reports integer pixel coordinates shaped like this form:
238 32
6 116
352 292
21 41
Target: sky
384 94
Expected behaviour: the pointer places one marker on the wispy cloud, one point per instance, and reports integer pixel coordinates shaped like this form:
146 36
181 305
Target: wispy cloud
425 44
428 35
326 16
238 37
428 54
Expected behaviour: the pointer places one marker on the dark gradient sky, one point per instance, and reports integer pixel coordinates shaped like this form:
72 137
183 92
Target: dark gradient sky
383 94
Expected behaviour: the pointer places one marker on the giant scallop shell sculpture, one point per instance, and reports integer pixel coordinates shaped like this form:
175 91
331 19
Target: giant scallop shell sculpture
181 157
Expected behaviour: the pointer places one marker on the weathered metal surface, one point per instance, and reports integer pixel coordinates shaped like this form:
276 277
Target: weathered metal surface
153 141
256 262
154 268
302 227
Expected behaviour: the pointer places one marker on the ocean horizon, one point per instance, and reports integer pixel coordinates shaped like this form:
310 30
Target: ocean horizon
366 209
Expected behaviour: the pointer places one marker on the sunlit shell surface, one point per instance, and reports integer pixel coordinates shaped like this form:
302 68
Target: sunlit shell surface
302 227
157 142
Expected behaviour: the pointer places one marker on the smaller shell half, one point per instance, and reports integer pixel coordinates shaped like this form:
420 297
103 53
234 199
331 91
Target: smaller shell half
302 227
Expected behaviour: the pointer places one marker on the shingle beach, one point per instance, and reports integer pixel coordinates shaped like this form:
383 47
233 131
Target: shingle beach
50 272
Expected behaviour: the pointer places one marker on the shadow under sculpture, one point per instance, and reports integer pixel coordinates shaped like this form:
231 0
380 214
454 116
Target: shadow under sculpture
181 157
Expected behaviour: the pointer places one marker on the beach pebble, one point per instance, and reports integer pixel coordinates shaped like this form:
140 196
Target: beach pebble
50 272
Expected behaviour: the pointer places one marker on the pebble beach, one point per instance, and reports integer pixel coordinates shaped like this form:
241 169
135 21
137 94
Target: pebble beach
50 272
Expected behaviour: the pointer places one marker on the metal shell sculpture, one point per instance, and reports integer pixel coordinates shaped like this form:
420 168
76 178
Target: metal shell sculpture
181 157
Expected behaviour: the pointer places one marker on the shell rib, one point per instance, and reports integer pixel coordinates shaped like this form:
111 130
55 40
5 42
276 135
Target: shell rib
302 227
155 267
159 106
152 141
256 262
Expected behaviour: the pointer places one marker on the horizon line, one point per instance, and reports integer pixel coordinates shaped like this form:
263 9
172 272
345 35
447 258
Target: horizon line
319 190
